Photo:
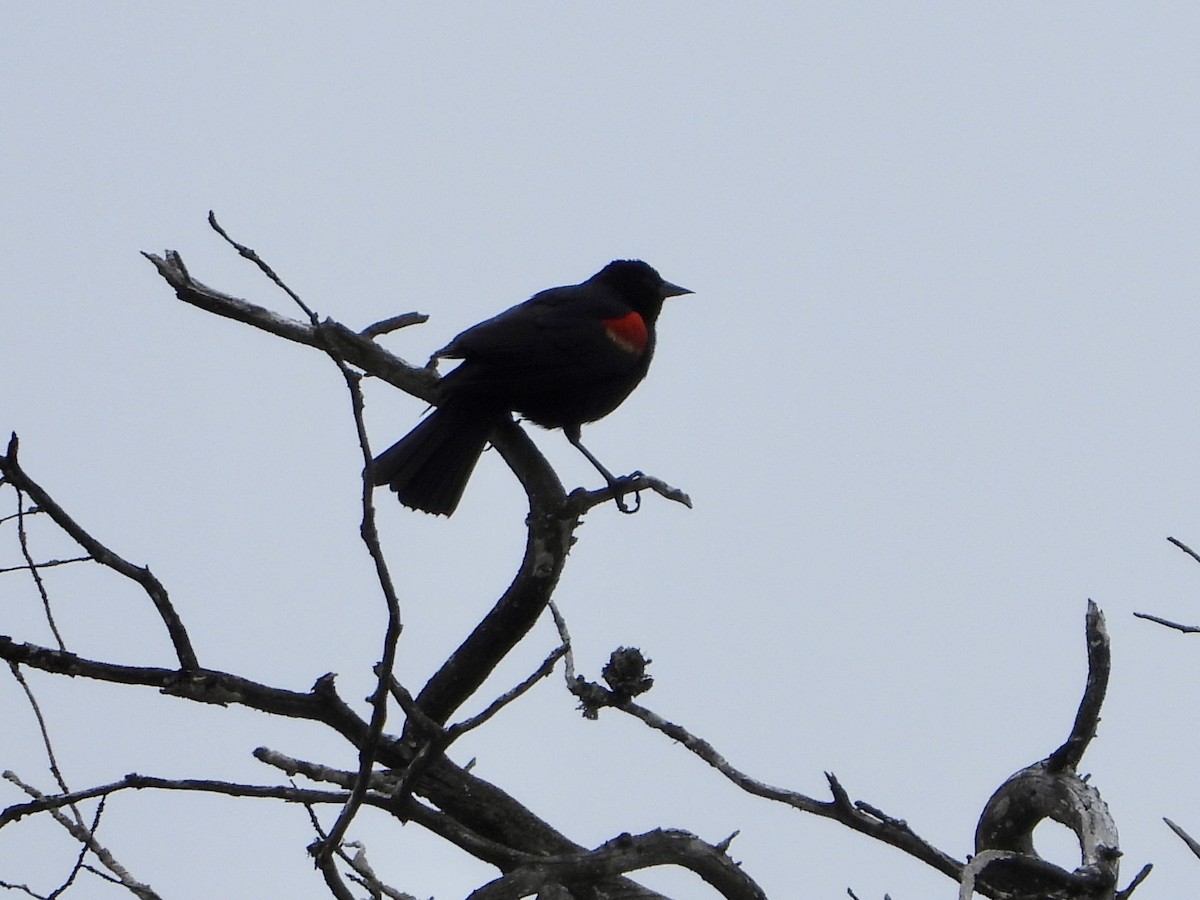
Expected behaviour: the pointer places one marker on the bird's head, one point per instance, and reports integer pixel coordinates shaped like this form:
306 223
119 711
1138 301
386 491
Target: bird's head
639 285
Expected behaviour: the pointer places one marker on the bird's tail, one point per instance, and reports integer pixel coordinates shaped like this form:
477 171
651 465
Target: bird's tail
429 467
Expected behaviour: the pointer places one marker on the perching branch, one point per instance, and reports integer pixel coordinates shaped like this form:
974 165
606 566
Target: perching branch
550 524
581 500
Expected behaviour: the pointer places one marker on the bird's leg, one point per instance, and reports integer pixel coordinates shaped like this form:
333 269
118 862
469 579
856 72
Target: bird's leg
573 435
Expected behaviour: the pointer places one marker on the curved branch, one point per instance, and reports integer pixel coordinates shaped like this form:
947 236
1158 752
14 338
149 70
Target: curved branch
548 538
15 475
628 853
1087 717
1050 789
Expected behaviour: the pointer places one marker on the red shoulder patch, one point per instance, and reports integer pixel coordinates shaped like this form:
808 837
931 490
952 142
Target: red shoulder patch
628 332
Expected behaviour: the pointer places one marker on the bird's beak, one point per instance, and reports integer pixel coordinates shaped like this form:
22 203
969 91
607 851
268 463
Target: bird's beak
673 290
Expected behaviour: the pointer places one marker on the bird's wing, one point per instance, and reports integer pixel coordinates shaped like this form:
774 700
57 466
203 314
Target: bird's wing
564 332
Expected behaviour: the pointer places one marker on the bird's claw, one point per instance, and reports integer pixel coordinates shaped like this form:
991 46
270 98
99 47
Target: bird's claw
637 496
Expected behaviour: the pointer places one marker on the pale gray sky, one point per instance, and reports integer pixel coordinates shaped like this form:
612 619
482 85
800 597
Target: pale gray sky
931 394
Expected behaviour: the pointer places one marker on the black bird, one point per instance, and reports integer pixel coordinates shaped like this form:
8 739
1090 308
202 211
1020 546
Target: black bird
566 356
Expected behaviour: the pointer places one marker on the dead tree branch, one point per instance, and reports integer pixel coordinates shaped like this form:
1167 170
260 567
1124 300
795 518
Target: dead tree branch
12 472
859 816
1050 789
1185 629
623 854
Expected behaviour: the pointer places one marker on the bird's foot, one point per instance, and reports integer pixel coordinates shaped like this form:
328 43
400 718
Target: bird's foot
619 495
581 500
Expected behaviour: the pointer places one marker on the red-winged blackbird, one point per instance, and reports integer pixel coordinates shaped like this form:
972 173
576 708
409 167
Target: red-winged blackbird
566 356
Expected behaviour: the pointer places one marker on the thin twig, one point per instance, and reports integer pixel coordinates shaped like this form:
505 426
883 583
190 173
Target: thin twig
134 781
46 744
1141 876
81 834
438 738
249 254
1191 842
565 636
460 728
393 323
1185 548
395 626
44 564
23 540
366 875
32 511
82 855
1186 629
368 748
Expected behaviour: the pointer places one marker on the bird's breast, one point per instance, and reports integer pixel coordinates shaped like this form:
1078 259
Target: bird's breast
628 332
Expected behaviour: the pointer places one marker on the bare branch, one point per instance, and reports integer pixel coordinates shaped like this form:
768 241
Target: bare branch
154 589
460 728
393 323
861 817
1087 717
325 863
84 836
628 853
1185 548
1191 842
1051 789
23 540
409 810
21 514
548 538
366 876
41 721
1138 879
1186 629
355 349
45 564
84 849
249 254
134 781
580 500
321 704
369 746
